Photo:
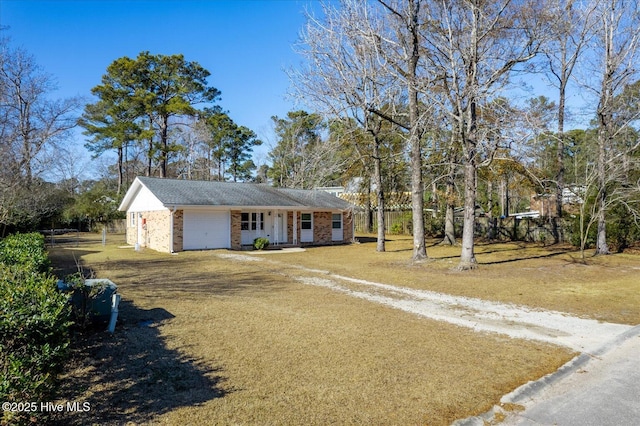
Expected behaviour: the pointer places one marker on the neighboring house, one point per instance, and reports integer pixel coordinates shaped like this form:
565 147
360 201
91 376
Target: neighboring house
545 204
170 215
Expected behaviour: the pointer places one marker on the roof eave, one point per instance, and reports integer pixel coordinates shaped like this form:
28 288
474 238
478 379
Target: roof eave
248 207
130 195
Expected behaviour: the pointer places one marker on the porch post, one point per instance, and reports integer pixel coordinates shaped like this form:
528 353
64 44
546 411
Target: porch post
295 228
274 223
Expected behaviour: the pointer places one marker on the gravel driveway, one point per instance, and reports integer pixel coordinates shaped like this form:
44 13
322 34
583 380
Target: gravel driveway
579 334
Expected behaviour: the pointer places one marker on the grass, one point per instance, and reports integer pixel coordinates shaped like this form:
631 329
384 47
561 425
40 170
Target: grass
207 340
605 288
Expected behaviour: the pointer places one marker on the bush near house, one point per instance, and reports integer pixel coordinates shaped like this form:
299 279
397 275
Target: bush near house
34 326
261 243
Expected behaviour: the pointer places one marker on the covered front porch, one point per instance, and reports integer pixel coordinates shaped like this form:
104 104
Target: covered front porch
286 228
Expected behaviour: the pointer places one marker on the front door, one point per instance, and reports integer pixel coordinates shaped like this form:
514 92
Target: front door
276 224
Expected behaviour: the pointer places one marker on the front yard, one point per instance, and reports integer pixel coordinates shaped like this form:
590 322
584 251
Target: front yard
204 339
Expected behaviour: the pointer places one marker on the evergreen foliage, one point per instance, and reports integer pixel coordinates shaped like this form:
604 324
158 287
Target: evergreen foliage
34 326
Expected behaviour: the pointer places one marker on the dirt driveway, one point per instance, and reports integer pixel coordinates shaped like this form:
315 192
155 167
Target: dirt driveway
579 334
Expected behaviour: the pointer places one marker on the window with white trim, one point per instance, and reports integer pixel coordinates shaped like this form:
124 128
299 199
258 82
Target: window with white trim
305 221
336 221
257 221
251 221
244 221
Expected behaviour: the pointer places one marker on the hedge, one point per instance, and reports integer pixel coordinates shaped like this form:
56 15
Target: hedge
26 250
34 325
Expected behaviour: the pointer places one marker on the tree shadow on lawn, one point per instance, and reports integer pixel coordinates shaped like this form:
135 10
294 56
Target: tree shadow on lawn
161 277
520 248
131 375
66 262
520 258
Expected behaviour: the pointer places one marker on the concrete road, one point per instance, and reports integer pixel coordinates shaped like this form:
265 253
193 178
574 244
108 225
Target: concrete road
598 389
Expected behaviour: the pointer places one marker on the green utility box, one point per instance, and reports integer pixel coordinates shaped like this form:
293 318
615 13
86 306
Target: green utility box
91 301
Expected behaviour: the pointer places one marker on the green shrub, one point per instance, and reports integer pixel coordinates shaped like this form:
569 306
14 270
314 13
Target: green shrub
261 243
622 229
402 225
26 250
34 326
575 236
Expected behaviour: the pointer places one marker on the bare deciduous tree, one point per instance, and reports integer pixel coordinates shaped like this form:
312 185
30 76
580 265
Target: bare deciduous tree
570 32
345 79
30 119
398 45
617 49
474 45
31 123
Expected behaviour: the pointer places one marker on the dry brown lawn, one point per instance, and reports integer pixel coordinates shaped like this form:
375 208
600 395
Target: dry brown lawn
207 340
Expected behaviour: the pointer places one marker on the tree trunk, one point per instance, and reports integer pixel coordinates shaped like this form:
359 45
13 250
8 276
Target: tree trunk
368 213
417 192
490 235
601 242
120 168
164 152
449 224
504 196
467 255
377 171
560 160
470 140
150 156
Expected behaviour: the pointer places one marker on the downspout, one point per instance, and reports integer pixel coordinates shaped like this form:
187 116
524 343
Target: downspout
171 230
138 232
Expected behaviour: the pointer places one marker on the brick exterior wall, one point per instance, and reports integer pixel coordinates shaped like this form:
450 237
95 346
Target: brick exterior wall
545 204
130 231
178 226
290 227
157 235
236 232
322 228
347 226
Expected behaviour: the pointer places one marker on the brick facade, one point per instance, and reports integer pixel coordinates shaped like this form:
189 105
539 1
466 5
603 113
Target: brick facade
236 230
322 228
130 230
178 226
156 231
347 227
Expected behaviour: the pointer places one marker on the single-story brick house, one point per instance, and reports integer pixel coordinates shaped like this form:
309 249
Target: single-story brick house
171 215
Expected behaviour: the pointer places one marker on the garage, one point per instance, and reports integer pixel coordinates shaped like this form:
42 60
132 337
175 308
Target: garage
171 215
206 230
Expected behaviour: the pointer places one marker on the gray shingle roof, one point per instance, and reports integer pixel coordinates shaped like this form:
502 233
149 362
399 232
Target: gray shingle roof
214 193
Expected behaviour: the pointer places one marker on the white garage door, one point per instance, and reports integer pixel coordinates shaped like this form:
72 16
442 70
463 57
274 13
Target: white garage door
206 230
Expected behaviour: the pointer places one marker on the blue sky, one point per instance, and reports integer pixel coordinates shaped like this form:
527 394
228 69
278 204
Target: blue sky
245 44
